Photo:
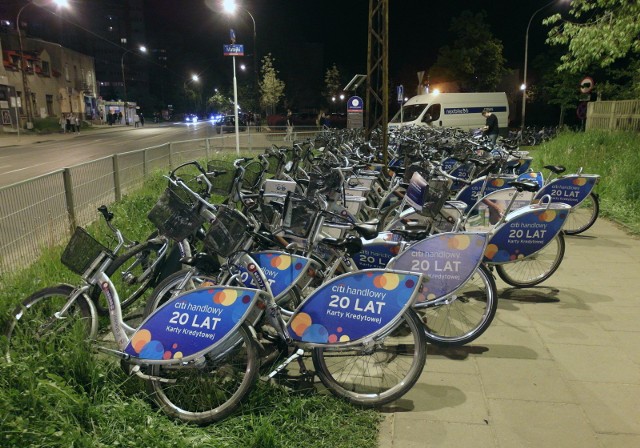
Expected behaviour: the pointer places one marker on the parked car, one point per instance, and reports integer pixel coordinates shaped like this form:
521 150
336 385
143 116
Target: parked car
228 124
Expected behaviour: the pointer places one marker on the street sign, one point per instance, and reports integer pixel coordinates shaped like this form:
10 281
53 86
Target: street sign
234 50
355 106
400 91
586 85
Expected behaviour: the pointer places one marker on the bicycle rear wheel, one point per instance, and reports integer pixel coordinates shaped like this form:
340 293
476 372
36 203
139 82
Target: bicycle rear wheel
536 268
467 313
583 215
212 387
377 373
132 274
34 330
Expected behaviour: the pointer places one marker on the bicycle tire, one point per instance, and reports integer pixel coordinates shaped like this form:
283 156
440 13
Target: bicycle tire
379 373
582 216
535 269
126 273
212 387
466 315
33 330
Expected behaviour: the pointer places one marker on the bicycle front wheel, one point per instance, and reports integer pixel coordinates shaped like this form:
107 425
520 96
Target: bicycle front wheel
583 215
466 313
377 373
35 329
210 388
535 269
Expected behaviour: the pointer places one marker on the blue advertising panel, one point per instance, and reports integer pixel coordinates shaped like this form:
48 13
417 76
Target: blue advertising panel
535 176
353 306
448 260
416 191
191 324
462 171
471 193
571 190
488 211
377 253
525 232
281 269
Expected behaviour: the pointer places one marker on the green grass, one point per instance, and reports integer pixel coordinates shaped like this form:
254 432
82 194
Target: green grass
77 398
615 156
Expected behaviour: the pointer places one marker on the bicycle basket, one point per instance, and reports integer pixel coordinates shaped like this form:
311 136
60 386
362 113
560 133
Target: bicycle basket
223 181
81 251
252 176
274 163
227 232
299 215
436 194
174 217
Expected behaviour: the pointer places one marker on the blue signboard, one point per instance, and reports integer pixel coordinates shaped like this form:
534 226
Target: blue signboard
571 190
525 232
191 324
281 269
355 104
353 306
233 50
448 260
400 92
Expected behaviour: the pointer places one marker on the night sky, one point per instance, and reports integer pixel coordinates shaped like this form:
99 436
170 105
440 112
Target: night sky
417 30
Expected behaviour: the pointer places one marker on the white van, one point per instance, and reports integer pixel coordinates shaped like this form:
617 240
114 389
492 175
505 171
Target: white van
456 110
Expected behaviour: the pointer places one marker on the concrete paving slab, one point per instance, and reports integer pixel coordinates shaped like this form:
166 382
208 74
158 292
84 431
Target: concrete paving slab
538 424
516 379
558 367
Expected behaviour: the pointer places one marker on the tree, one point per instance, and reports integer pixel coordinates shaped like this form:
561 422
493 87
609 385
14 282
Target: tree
332 83
271 88
603 32
220 101
475 59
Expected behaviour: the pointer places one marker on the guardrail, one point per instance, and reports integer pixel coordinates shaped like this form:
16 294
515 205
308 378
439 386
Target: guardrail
40 212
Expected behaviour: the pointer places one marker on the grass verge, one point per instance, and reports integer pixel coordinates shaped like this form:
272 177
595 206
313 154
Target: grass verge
615 156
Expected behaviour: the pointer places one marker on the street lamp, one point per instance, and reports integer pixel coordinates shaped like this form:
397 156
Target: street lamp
523 87
141 49
193 80
23 63
230 7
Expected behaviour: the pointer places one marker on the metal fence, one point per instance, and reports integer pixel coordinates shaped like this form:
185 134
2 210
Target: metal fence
614 115
40 212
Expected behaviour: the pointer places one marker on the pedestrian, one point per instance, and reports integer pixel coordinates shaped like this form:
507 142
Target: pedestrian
77 123
136 120
67 122
289 136
120 117
490 129
141 119
63 123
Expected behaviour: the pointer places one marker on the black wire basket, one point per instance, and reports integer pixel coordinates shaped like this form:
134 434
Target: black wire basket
81 251
299 216
175 217
227 232
436 194
222 181
252 177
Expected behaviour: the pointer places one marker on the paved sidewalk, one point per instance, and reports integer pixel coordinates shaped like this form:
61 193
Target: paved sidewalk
558 367
30 138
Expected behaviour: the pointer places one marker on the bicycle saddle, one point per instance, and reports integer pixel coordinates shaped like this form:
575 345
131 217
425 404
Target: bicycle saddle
525 185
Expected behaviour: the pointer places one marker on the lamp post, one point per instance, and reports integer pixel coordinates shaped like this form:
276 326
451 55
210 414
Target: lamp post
141 49
523 87
230 7
23 65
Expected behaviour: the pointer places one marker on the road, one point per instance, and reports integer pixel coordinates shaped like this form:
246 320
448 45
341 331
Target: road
31 156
